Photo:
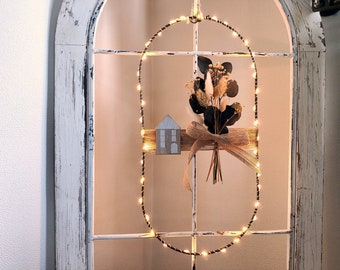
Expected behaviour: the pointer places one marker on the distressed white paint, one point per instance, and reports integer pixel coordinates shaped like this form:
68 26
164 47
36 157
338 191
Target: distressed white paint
70 134
309 161
72 123
308 149
187 234
306 25
187 53
74 21
71 154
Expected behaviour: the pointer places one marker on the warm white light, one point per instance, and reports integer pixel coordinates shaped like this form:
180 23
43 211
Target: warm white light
235 34
140 119
159 33
225 23
256 123
139 87
255 152
186 251
258 164
254 75
258 138
183 18
148 43
140 200
142 180
259 187
246 42
142 132
138 73
236 240
257 204
144 57
147 217
147 146
172 21
244 229
143 103
255 218
204 253
252 66
223 250
164 245
258 174
152 232
257 91
141 162
214 18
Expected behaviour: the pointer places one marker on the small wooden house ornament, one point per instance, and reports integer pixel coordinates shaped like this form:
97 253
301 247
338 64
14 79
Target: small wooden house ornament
168 137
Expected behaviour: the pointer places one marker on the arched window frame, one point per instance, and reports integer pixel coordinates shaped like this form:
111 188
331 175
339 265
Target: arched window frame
74 131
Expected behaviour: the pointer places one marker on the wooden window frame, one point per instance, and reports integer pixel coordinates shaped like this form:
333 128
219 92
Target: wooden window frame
74 131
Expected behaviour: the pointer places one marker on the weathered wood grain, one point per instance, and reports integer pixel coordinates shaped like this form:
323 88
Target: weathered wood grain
309 161
74 21
306 26
72 127
308 143
70 158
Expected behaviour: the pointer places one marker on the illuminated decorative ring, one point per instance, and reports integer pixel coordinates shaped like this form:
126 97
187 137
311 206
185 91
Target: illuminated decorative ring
142 180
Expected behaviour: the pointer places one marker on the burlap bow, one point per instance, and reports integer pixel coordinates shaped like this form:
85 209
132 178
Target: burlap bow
239 142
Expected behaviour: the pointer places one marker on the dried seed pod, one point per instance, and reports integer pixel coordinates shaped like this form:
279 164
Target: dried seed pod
232 88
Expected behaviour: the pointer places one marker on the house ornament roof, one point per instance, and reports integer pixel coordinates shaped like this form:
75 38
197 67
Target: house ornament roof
168 123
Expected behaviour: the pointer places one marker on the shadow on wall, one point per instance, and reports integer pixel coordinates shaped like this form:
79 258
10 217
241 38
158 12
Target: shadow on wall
48 247
331 235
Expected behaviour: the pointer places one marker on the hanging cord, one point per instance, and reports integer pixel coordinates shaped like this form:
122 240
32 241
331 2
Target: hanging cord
196 14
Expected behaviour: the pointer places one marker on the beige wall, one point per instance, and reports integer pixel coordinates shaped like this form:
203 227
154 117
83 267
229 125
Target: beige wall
26 134
226 206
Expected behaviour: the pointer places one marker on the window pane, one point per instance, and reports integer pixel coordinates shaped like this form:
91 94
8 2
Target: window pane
221 207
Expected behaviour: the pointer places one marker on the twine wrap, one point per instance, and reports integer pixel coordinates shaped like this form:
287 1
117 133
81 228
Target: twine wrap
239 142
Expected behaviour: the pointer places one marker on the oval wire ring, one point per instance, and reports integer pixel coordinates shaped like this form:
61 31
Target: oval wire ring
142 180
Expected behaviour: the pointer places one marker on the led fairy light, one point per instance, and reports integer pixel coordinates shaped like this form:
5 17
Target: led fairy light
139 87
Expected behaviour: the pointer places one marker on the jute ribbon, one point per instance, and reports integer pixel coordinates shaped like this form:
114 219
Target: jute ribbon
239 142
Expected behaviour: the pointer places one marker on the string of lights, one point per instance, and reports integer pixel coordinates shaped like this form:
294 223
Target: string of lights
143 180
